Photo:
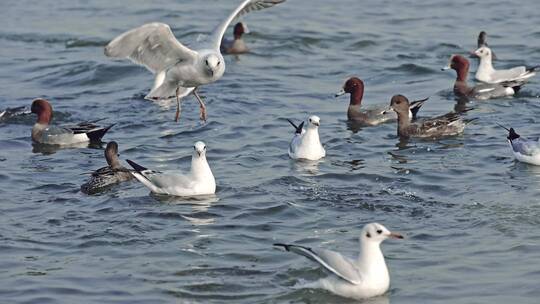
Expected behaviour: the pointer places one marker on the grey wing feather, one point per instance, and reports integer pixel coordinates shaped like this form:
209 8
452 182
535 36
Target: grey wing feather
332 261
244 8
526 147
152 45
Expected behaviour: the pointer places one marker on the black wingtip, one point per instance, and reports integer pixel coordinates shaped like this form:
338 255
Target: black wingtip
136 166
282 245
517 88
298 129
97 135
512 134
533 68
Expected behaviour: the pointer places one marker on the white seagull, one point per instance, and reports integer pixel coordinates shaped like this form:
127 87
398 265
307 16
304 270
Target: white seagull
525 150
486 73
364 277
306 144
199 181
179 70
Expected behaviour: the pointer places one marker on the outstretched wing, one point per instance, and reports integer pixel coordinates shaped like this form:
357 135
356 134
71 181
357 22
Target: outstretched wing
152 45
245 7
332 261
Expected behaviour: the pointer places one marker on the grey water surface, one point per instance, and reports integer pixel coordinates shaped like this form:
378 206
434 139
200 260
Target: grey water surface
470 213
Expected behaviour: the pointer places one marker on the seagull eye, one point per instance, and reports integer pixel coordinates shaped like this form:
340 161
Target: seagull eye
207 62
368 235
204 148
379 231
194 148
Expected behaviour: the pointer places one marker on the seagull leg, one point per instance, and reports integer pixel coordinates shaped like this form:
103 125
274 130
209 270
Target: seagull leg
203 115
177 105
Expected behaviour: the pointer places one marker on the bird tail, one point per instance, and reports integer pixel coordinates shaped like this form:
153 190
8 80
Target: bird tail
416 105
136 166
97 134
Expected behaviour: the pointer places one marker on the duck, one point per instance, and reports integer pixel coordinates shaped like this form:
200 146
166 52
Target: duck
110 175
358 278
305 144
444 125
237 45
373 115
524 150
199 180
482 91
486 73
44 133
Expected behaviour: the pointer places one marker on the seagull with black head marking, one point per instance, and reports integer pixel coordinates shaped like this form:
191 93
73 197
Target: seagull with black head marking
364 277
179 70
305 143
525 150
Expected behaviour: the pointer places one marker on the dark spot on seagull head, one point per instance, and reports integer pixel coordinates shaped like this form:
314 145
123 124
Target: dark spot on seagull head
483 51
368 235
43 109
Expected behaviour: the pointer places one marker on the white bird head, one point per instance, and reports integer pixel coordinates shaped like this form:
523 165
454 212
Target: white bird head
375 232
214 65
483 52
200 149
314 121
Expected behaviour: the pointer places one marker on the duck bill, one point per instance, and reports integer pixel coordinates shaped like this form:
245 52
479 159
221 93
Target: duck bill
341 92
446 67
395 235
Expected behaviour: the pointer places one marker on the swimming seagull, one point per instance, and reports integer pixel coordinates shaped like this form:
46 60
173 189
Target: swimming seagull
179 70
373 115
199 181
482 41
486 73
44 133
364 277
525 150
107 176
306 144
481 91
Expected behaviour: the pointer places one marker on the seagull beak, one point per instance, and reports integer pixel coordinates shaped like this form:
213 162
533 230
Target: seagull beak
341 92
395 235
318 124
